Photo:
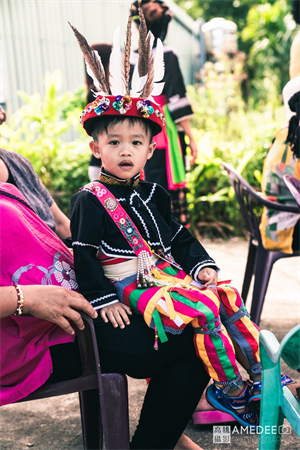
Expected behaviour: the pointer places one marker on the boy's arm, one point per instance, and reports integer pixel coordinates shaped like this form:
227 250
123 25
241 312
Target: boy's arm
191 254
87 225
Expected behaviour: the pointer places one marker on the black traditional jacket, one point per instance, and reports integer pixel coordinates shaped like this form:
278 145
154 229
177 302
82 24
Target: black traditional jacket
93 230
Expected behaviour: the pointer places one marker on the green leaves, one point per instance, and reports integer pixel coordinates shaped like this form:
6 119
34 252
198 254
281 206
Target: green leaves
225 130
46 130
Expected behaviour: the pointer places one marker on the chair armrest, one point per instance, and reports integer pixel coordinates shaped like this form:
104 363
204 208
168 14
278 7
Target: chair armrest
290 348
233 174
88 346
269 349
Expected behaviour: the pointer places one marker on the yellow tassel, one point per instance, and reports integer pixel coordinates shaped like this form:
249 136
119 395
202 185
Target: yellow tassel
159 275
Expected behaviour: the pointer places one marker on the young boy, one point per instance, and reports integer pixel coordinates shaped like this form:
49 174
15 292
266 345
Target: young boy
131 256
106 264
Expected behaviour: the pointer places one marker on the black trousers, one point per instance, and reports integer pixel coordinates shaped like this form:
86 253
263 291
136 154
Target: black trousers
178 377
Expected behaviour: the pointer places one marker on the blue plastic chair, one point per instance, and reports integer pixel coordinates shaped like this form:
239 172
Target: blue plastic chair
277 402
259 261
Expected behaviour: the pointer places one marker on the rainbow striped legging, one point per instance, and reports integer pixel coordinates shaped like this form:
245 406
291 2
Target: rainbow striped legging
217 315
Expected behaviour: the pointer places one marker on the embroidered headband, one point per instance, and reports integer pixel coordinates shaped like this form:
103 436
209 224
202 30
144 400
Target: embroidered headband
116 97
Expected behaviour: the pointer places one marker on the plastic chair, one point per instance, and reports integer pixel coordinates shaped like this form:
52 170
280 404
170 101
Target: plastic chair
103 397
294 186
277 402
259 261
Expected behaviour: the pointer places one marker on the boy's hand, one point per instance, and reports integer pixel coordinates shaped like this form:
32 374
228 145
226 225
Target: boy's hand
207 277
117 314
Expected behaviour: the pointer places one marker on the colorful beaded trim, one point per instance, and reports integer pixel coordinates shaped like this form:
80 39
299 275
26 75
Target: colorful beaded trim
122 104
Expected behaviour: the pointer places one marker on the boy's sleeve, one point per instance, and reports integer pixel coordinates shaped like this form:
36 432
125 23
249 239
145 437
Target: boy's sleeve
190 253
87 222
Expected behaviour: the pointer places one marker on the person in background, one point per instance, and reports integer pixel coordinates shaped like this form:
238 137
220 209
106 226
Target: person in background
2 116
104 51
168 165
38 298
280 230
17 170
295 47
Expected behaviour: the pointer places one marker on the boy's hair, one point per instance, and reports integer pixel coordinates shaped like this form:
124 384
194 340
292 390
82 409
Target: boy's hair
98 126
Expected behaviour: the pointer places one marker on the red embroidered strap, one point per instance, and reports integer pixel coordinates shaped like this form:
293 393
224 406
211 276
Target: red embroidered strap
119 216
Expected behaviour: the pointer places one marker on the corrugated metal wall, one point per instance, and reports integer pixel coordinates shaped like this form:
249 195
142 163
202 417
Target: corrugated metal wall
35 38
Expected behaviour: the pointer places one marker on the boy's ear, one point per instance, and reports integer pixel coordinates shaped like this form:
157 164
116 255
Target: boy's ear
94 146
152 147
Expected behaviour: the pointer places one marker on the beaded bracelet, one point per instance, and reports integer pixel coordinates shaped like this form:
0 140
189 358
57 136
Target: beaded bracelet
20 304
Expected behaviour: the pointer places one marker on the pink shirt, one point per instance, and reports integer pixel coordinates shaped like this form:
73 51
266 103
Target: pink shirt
30 253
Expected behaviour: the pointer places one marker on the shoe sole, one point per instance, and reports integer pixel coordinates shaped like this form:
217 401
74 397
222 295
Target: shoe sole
212 400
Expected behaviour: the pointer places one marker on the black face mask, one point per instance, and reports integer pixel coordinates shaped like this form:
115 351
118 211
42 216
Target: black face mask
158 28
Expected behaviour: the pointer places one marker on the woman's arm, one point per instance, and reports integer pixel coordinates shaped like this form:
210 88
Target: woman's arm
62 223
53 303
186 126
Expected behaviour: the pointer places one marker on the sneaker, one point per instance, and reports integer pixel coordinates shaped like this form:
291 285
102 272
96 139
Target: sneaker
231 405
254 401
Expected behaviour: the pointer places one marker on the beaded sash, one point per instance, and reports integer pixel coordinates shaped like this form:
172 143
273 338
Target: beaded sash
128 230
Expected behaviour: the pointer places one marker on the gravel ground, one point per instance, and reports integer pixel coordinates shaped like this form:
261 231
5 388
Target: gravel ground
55 423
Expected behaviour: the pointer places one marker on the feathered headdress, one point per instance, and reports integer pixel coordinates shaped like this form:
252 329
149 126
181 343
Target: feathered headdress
120 96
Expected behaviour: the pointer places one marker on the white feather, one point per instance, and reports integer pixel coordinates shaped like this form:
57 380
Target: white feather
135 79
90 73
159 63
151 40
139 86
116 67
137 82
157 88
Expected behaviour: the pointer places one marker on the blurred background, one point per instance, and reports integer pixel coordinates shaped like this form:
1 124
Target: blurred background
234 56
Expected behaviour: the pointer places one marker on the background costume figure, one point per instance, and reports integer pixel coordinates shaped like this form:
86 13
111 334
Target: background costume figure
280 230
17 170
168 165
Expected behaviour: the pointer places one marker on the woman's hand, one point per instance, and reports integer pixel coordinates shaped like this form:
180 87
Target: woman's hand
57 304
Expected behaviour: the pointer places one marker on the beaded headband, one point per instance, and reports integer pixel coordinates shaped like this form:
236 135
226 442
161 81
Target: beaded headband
133 99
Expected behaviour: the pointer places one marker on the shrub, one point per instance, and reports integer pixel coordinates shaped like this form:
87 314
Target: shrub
226 131
47 132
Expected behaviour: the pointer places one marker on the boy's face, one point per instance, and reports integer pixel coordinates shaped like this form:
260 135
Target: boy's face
124 149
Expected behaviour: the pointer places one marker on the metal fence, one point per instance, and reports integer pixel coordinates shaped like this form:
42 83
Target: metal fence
35 38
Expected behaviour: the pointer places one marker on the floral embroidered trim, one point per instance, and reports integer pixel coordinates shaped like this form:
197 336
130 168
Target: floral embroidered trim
145 109
122 103
65 275
99 105
111 180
